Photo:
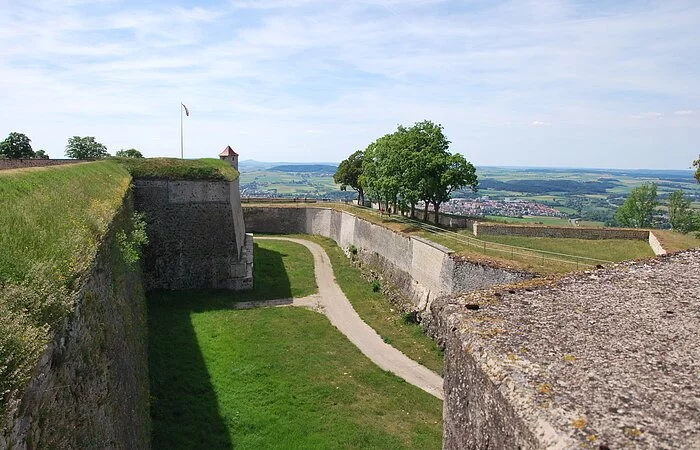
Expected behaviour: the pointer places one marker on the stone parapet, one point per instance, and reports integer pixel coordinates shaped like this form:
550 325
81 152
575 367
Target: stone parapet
600 359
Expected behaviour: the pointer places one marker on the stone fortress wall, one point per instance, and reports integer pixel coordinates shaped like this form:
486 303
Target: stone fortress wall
196 233
422 269
559 232
90 388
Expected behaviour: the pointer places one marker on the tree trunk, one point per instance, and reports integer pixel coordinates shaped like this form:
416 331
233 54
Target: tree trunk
436 206
360 197
425 212
413 210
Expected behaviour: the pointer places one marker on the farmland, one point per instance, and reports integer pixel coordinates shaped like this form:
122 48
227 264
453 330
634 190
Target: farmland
592 195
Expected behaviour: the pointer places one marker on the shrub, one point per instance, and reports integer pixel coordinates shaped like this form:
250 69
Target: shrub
376 286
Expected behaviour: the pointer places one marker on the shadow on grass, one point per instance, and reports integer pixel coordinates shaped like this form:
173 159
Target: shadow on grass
184 406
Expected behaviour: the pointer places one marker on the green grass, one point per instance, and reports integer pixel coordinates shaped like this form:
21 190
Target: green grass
274 378
53 220
607 249
179 169
376 310
673 241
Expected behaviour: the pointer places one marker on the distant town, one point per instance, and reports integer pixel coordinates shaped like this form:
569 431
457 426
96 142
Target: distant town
485 206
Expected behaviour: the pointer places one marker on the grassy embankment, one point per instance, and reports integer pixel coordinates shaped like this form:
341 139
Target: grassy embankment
52 223
53 220
179 169
273 378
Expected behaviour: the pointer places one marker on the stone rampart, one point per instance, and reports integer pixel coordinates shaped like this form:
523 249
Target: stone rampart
90 387
560 232
597 359
447 220
196 233
423 270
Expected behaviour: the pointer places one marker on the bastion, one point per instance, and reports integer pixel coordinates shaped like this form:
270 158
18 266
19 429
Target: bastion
601 359
196 232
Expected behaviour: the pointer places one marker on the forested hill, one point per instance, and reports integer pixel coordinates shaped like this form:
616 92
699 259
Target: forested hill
547 186
305 168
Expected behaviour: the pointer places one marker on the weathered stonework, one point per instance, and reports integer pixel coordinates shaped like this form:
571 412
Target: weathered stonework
559 232
197 235
90 387
601 359
422 269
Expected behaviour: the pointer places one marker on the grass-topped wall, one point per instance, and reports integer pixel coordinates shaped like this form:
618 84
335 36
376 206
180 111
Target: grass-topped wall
52 223
179 169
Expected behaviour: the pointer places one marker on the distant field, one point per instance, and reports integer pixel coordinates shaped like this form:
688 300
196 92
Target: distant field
288 183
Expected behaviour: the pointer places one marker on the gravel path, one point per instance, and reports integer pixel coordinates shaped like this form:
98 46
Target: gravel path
332 302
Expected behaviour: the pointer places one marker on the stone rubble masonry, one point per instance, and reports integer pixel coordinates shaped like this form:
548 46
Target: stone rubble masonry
422 269
605 358
197 235
559 232
90 388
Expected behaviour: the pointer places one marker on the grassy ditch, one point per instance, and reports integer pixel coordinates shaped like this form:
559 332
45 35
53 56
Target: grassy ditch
52 223
276 377
179 169
377 312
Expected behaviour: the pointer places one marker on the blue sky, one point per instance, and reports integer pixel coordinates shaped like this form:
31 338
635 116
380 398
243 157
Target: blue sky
517 83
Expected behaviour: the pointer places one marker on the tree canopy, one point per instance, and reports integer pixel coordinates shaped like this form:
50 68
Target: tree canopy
129 153
16 146
638 209
412 165
681 216
348 174
85 148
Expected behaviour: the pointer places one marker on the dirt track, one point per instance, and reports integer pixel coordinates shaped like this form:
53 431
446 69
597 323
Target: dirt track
332 302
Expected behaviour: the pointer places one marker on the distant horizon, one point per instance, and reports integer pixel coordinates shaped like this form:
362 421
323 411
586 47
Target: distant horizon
331 163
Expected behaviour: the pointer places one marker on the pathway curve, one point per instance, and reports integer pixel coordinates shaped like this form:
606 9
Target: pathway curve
332 302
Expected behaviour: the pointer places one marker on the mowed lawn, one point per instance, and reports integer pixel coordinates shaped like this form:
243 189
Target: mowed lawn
273 378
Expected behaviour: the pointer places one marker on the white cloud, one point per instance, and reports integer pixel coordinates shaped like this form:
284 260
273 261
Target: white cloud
351 69
685 112
648 115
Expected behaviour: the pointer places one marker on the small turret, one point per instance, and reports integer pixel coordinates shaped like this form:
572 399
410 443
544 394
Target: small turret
229 155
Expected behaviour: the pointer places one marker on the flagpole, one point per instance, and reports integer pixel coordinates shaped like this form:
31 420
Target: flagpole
182 145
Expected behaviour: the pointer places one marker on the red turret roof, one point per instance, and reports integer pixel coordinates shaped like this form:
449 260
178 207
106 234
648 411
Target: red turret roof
228 151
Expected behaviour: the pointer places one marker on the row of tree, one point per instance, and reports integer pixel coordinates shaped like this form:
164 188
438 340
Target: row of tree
18 146
409 166
639 209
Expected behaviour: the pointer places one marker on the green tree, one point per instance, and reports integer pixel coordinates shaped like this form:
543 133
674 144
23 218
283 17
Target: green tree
41 154
348 174
638 209
129 153
680 214
16 146
85 148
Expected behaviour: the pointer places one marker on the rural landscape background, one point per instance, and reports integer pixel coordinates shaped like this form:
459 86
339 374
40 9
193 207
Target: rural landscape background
551 196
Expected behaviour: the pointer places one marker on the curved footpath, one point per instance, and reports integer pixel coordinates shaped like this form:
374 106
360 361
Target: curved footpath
332 302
